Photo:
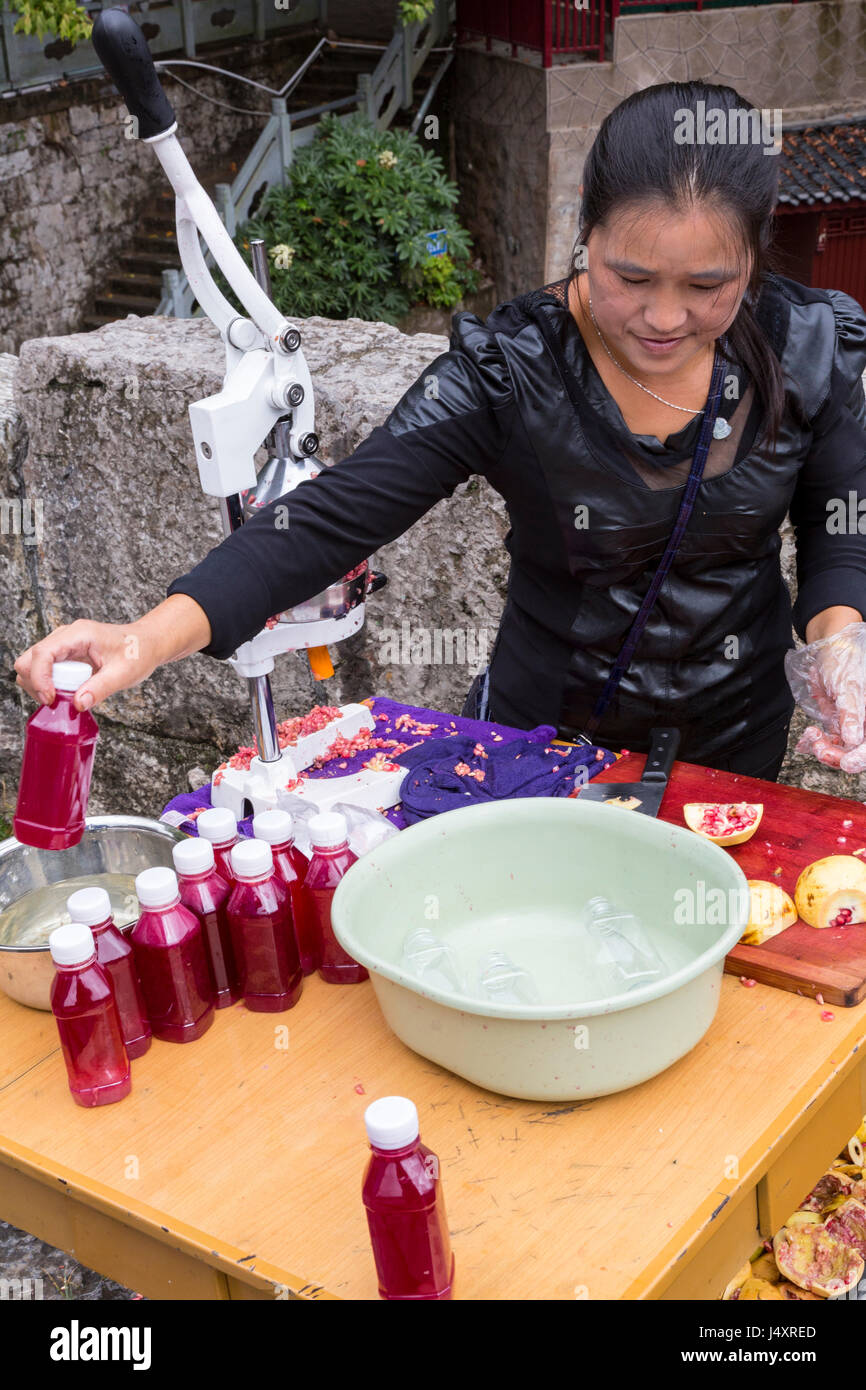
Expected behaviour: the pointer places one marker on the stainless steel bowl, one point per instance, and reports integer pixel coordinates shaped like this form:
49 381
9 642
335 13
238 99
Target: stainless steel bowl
35 883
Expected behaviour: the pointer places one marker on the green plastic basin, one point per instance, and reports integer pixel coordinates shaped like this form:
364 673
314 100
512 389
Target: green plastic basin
514 875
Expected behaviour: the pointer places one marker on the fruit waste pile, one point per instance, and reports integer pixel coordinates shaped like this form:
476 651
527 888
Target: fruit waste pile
820 1252
831 892
290 730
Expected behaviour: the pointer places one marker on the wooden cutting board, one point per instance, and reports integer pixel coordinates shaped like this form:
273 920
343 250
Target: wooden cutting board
797 827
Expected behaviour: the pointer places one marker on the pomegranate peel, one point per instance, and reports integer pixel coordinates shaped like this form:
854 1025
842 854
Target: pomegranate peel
771 911
815 1259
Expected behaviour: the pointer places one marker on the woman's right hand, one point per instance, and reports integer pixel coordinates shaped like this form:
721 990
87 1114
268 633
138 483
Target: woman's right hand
121 654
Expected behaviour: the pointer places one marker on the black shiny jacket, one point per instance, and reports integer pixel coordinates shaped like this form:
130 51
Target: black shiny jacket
591 506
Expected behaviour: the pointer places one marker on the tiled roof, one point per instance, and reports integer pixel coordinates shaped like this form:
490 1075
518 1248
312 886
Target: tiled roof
823 163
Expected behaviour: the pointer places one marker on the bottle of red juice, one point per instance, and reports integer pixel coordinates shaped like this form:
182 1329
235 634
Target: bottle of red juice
329 836
260 917
91 907
277 830
405 1209
171 960
59 744
219 825
88 1022
206 894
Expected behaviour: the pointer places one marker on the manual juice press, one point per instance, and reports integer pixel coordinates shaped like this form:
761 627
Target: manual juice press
267 397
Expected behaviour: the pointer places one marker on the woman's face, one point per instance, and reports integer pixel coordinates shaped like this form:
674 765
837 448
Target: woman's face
659 275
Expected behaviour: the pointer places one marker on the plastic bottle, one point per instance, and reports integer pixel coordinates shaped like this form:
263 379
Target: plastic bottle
59 744
405 1208
431 961
171 960
276 829
503 982
88 1022
205 893
219 825
623 945
91 907
329 837
260 917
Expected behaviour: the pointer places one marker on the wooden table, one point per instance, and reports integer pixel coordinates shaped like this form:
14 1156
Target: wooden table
234 1168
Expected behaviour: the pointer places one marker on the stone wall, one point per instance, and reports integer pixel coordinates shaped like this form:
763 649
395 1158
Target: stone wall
73 187
522 134
110 459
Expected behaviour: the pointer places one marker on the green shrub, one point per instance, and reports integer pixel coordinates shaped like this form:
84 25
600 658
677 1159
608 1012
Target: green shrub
415 11
347 235
63 18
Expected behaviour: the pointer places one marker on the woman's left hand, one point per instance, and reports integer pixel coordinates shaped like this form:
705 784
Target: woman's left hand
828 679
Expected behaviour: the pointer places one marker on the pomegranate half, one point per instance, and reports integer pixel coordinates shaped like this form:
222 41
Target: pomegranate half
831 892
725 823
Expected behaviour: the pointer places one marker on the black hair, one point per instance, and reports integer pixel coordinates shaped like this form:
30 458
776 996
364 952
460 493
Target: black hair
635 158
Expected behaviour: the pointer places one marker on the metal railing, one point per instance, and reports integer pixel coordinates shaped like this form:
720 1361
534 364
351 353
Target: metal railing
170 26
380 94
565 27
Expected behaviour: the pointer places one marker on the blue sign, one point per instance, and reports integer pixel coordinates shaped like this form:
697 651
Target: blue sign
437 242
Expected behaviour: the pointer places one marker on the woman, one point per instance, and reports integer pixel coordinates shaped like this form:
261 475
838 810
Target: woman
583 404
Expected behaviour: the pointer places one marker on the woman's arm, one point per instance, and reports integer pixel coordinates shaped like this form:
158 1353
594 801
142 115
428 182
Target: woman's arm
831 620
828 509
453 422
121 654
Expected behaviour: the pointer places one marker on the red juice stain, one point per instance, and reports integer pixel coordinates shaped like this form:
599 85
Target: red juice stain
205 893
260 918
91 907
59 744
88 1021
402 1194
171 960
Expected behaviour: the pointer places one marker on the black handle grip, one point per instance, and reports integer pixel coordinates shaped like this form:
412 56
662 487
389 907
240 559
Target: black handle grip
122 49
662 753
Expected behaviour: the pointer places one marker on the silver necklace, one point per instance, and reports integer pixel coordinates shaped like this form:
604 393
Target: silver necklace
721 428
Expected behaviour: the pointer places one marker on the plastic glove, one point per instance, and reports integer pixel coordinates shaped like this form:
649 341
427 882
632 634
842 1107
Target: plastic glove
828 681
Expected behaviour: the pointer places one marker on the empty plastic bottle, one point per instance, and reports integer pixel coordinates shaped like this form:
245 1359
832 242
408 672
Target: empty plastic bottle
431 961
623 944
503 982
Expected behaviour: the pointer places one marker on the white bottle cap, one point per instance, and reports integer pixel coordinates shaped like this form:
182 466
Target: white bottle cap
156 887
391 1122
69 675
193 856
327 828
252 858
72 944
217 824
89 905
273 826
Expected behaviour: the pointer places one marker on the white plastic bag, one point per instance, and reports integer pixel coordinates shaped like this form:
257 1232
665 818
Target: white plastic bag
366 828
828 680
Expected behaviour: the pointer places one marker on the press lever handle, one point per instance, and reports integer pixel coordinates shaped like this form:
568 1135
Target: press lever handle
122 49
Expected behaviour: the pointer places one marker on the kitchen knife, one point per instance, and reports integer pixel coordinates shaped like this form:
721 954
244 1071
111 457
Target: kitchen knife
645 795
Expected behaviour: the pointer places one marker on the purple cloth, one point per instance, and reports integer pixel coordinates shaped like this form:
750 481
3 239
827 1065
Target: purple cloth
447 728
529 766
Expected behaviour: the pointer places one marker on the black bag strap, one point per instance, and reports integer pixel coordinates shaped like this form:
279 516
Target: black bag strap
687 503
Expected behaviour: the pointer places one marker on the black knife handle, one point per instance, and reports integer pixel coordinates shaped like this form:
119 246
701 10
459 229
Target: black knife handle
122 49
662 752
